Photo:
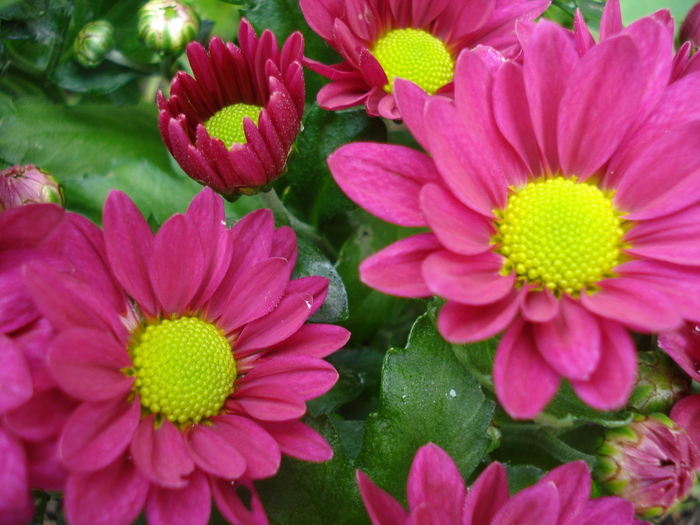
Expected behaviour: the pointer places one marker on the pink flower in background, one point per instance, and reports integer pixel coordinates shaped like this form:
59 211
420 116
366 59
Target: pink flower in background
232 126
551 211
436 495
419 40
190 358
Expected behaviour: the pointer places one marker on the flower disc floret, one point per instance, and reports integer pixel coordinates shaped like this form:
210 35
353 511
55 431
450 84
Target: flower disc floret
560 234
184 369
415 55
227 123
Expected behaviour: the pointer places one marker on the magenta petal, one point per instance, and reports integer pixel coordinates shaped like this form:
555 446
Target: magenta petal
610 386
190 505
570 342
16 502
313 340
297 440
524 382
611 21
472 280
411 101
231 507
361 168
487 496
271 402
308 376
42 417
396 269
15 380
160 453
462 323
27 226
97 433
686 413
313 285
213 452
608 511
540 306
113 495
381 507
435 479
573 482
537 504
683 346
87 364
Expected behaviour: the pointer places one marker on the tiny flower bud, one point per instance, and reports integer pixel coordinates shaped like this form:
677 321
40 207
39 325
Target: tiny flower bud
660 383
690 28
28 184
649 462
93 43
167 26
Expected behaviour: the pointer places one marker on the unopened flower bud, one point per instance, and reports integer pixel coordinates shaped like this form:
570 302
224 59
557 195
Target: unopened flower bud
167 26
93 43
690 28
660 383
20 185
650 462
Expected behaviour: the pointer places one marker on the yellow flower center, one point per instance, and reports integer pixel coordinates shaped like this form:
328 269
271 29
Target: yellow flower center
415 55
227 124
184 369
560 234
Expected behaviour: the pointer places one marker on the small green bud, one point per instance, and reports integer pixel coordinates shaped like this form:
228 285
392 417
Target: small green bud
660 383
93 43
167 26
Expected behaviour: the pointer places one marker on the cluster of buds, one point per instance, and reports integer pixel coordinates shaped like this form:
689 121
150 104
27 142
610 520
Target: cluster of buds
20 185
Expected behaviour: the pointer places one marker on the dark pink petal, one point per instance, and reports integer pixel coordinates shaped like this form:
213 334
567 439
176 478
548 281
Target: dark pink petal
160 453
435 479
27 226
46 472
633 303
16 502
15 380
610 386
540 306
381 507
299 441
458 228
42 417
314 340
231 507
411 101
97 433
284 244
309 377
573 482
686 413
462 323
129 241
547 67
259 448
606 88
342 94
396 269
87 364
16 306
190 505
426 11
113 495
683 346
430 513
271 402
571 341
524 382
611 21
213 452
256 293
582 35
313 285
471 280
538 504
384 179
487 496
609 511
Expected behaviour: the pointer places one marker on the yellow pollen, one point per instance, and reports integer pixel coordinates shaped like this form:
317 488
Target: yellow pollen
184 369
227 124
415 55
560 234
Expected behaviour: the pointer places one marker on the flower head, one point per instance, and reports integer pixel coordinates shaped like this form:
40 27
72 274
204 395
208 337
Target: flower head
189 355
436 494
20 185
232 126
418 40
551 213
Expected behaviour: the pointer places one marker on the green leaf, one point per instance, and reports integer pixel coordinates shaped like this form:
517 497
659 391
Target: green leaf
103 79
522 476
478 358
635 9
566 408
563 11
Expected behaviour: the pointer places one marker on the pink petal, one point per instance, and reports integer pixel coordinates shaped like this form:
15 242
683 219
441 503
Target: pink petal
297 440
609 511
27 226
686 413
381 507
571 341
313 340
396 269
540 306
190 505
97 433
160 453
308 376
271 402
231 507
15 380
411 101
458 228
461 323
16 502
42 417
430 513
524 382
360 169
472 280
683 346
487 496
537 504
313 285
113 495
573 482
610 386
87 364
611 21
213 452
582 35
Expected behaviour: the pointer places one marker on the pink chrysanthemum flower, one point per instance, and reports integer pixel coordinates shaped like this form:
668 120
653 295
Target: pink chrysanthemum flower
418 40
436 494
232 126
561 195
190 358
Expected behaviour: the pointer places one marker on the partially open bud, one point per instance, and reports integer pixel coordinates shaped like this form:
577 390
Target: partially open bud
93 43
650 462
690 28
20 185
660 384
167 26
